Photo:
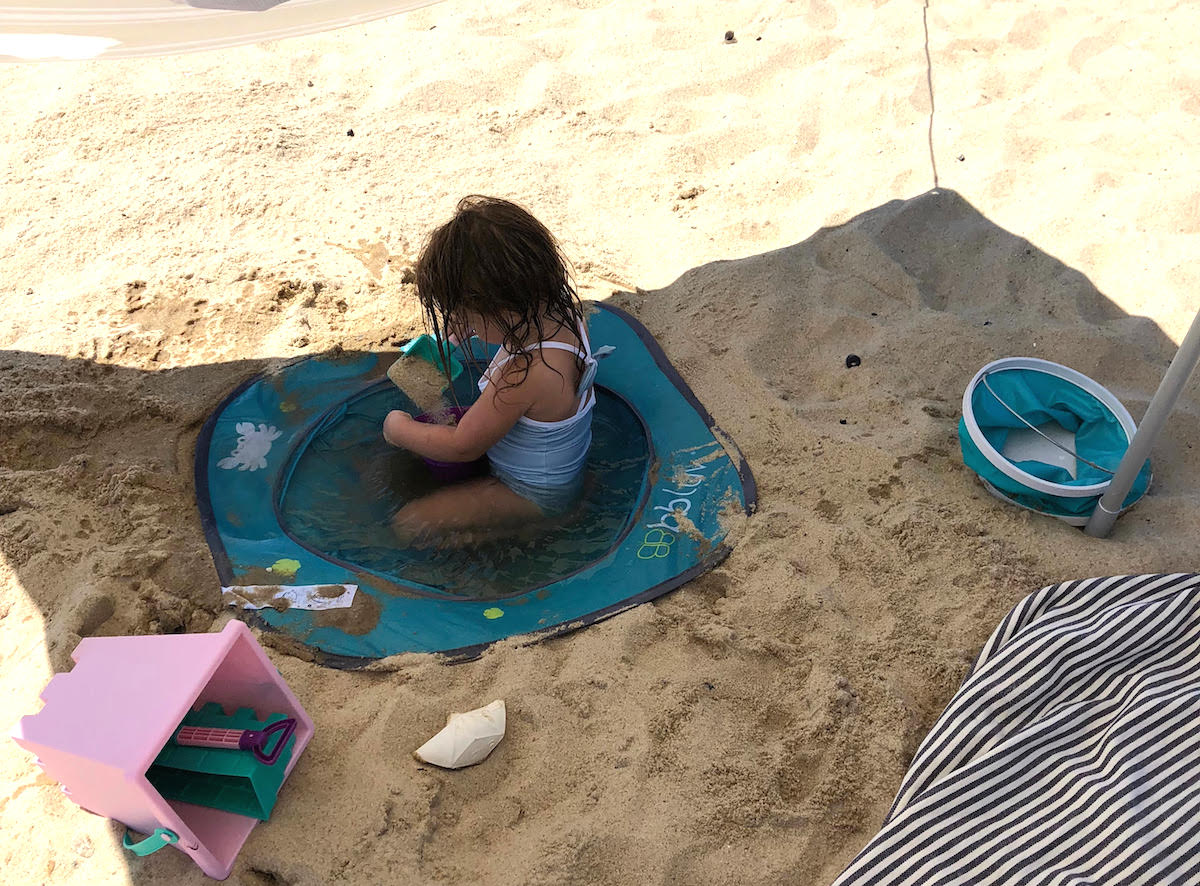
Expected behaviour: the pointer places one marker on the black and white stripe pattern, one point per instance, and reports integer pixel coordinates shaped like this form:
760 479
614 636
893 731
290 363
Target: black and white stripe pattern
1069 756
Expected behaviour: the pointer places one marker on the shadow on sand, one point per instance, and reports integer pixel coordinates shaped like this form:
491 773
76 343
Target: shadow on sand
99 532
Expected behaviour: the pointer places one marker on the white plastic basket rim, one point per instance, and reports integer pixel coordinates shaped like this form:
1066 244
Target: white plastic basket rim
1002 464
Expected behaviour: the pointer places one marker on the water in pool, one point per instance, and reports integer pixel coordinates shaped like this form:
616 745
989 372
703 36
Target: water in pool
347 483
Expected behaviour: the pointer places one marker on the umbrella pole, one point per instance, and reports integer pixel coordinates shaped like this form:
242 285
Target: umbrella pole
1109 506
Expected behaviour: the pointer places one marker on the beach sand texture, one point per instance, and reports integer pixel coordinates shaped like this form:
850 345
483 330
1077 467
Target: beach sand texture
766 207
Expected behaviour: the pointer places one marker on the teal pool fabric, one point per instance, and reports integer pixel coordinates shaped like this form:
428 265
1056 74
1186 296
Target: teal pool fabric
296 487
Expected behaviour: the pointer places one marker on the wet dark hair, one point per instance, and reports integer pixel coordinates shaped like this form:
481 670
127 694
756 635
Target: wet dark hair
496 260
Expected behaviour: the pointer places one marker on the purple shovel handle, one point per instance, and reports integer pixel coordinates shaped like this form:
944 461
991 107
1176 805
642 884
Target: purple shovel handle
255 740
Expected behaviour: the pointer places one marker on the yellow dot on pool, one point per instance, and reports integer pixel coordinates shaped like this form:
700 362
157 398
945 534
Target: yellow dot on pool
287 406
284 567
494 612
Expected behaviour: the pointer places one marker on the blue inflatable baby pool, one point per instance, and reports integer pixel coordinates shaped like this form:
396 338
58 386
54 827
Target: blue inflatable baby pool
296 487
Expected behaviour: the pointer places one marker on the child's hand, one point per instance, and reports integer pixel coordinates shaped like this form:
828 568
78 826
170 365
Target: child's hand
395 425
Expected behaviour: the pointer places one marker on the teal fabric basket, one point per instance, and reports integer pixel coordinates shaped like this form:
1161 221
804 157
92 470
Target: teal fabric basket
1019 464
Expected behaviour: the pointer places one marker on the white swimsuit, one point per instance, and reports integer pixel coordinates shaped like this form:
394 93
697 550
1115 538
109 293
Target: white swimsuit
546 455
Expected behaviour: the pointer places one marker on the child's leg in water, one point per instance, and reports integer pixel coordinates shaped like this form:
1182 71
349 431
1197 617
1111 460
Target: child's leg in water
448 515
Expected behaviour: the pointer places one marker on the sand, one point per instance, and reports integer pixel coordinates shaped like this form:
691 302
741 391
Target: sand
421 381
766 207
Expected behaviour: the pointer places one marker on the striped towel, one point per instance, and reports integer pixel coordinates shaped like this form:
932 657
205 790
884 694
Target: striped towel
1069 756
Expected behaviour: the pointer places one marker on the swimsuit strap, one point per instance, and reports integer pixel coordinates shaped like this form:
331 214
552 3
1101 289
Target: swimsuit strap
561 346
589 371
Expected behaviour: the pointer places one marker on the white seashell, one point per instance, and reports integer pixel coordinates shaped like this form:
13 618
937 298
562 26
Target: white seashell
466 738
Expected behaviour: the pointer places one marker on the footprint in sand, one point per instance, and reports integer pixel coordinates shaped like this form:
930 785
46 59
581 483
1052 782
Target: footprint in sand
1088 48
821 15
93 612
374 256
1191 104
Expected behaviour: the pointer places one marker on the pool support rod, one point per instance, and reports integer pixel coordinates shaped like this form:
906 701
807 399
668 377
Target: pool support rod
1101 522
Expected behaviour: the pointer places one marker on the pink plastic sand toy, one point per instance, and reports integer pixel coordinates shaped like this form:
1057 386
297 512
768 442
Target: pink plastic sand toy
106 720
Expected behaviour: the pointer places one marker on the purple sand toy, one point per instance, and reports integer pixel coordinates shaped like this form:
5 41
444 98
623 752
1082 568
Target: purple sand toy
253 740
451 471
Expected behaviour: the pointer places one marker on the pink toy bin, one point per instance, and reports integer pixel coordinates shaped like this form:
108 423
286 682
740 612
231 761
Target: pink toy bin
105 721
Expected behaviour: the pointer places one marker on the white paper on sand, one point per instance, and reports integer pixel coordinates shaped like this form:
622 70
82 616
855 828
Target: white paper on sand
289 596
466 738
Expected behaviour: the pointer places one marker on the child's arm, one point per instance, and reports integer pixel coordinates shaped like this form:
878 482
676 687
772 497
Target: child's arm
488 419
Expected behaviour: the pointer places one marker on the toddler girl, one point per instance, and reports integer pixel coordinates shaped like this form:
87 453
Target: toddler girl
494 271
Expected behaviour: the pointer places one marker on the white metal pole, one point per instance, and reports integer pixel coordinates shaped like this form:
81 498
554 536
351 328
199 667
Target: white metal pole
1109 506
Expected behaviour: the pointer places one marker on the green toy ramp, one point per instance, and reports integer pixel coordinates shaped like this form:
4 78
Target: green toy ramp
221 778
296 487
